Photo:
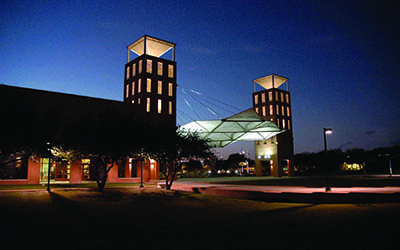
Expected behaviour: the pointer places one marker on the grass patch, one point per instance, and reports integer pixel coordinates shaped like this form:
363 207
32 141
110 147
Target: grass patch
133 217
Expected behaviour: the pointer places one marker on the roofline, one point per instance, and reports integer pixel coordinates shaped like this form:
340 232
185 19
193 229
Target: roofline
60 93
273 74
151 37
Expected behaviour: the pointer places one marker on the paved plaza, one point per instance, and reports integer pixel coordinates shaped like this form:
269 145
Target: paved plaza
292 193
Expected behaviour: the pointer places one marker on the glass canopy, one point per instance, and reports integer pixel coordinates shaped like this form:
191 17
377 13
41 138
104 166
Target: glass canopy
244 126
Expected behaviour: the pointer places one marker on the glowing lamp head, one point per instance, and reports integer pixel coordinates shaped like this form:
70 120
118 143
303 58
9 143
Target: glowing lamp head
328 131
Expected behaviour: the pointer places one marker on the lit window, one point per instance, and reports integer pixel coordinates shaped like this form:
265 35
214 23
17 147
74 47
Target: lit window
277 109
271 110
287 111
287 98
264 111
257 110
140 66
159 68
283 111
127 91
138 100
270 96
170 70
288 124
159 106
282 100
263 97
134 69
133 88
139 87
283 124
148 85
85 169
149 66
170 107
148 105
170 89
276 96
277 123
127 72
255 99
159 88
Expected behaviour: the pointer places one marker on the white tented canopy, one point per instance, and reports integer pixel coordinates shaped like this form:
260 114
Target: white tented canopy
244 126
154 46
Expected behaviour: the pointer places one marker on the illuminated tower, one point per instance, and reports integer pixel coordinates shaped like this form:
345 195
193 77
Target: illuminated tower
274 156
150 80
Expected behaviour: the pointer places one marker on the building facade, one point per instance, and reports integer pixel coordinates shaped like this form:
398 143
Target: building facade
275 156
149 93
35 170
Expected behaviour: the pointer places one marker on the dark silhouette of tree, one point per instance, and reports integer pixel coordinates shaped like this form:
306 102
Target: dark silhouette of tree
175 147
107 138
26 129
376 160
236 161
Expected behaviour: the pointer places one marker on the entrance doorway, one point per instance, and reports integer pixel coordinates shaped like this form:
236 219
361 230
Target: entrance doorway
266 168
45 163
285 167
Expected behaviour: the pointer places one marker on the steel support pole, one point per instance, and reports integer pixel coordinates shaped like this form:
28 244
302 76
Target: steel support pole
144 45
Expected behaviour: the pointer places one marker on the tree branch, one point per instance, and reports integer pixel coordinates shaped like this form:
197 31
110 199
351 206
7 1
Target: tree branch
112 165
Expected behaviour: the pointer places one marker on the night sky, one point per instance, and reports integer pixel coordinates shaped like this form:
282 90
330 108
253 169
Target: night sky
341 58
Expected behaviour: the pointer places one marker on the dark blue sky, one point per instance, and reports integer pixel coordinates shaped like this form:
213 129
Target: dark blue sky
342 57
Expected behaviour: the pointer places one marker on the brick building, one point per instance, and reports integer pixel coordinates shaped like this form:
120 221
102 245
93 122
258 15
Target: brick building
149 94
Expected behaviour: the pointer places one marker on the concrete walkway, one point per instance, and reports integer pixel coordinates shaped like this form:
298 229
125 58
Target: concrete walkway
294 193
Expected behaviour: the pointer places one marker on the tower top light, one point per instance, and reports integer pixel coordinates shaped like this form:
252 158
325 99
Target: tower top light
271 82
151 46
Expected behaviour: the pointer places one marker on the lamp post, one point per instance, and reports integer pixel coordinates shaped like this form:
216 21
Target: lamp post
327 131
49 167
141 169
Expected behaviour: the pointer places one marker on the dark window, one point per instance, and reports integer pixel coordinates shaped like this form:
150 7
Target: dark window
14 166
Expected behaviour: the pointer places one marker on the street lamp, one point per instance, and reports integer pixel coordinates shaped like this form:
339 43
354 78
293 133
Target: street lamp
327 131
49 167
141 169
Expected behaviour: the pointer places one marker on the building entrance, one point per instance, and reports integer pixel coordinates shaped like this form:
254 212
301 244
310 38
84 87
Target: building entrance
45 163
285 167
